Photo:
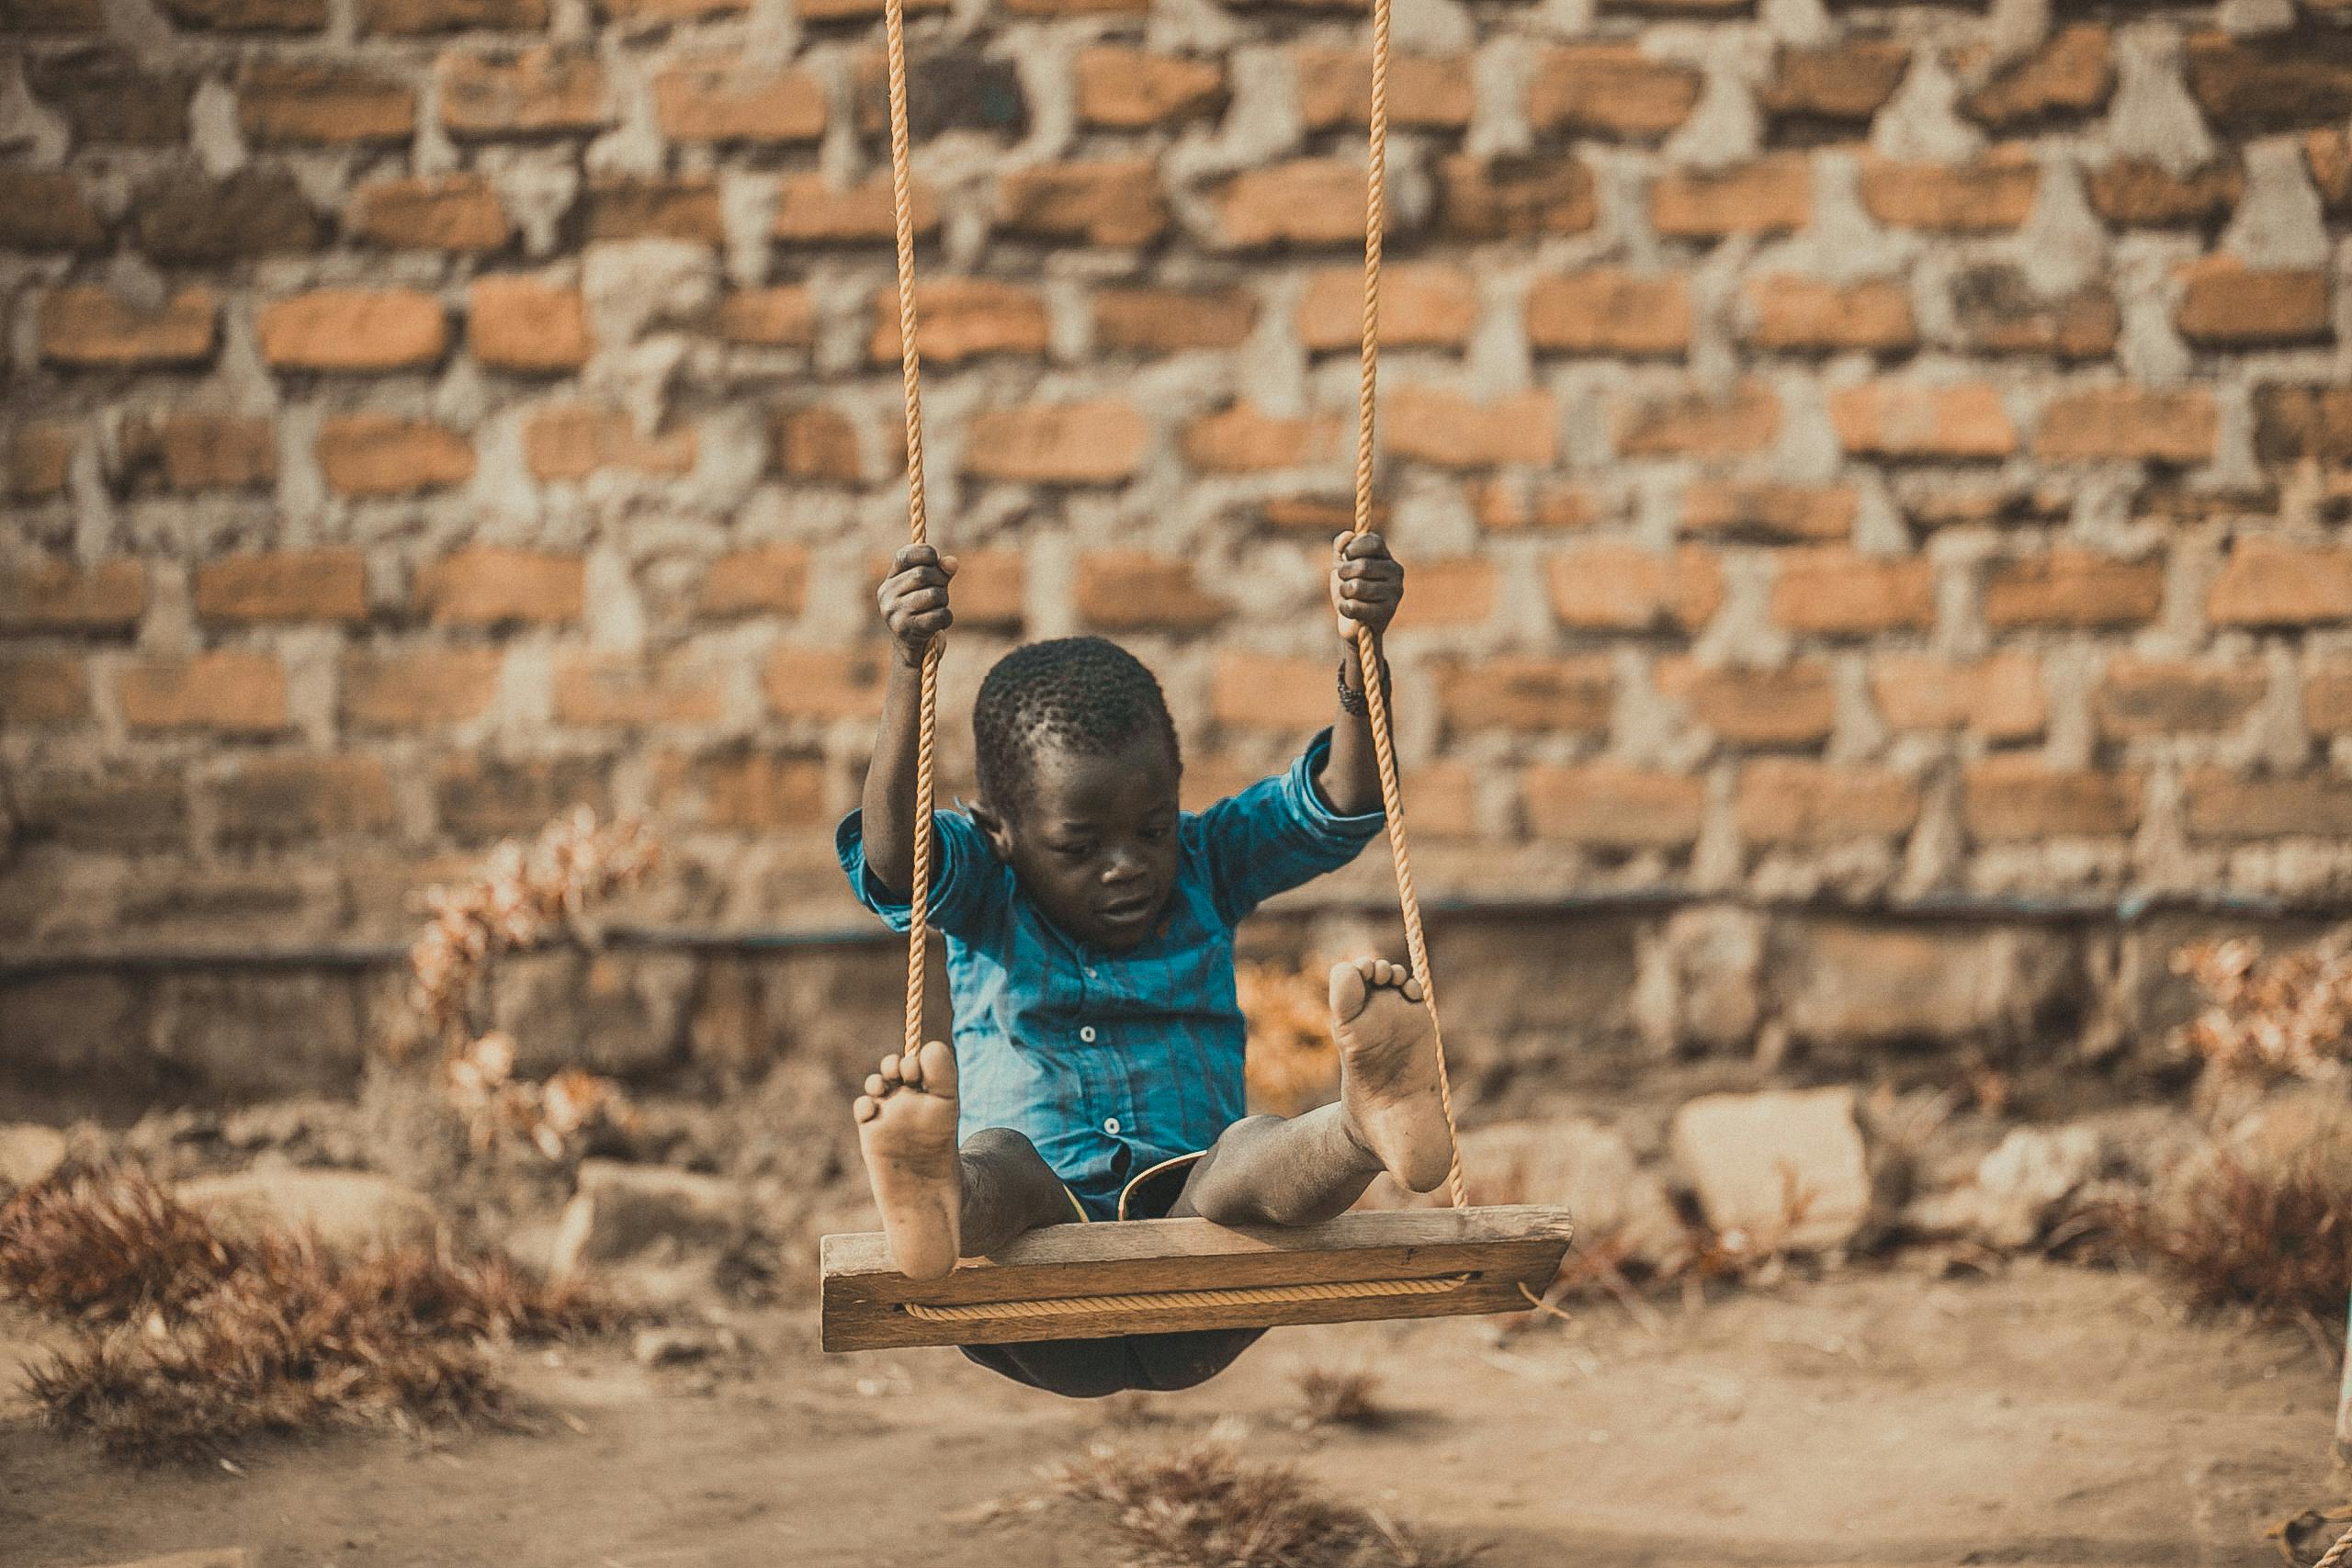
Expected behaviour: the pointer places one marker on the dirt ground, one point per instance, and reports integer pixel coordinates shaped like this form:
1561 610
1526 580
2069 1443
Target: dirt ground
2055 1417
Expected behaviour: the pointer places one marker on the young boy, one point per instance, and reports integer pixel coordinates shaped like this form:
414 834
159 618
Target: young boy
1097 1071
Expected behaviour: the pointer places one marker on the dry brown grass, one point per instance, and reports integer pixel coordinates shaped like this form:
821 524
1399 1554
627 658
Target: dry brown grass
1292 1065
2241 1229
1204 1507
191 1342
2270 1018
1340 1396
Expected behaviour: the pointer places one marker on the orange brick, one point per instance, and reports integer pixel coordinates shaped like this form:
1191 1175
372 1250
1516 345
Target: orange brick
485 797
1624 588
44 690
2224 806
1320 515
1994 193
527 325
2070 73
40 457
328 584
539 92
624 206
1111 201
1243 439
286 799
606 690
1701 424
354 330
1425 92
2073 588
94 328
2327 697
813 211
2247 85
817 443
1912 420
1442 798
1451 431
781 317
227 689
375 454
1803 315
417 18
1770 514
59 597
1045 7
1449 590
490 585
1781 800
825 683
565 443
1609 311
759 792
1422 305
1793 706
2225 304
288 103
962 318
1527 695
1508 502
2268 582
1513 197
2140 697
716 100
1172 321
2296 422
1848 81
1770 196
2139 193
1307 201
418 688
1128 89
2328 155
44 209
438 212
1265 691
1833 592
2000 698
1609 89
2128 423
2001 313
990 592
1610 806
2021 799
1092 443
760 580
1138 591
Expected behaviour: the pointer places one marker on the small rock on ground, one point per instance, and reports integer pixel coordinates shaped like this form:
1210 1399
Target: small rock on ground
2017 1190
30 1153
670 1228
1781 1170
345 1209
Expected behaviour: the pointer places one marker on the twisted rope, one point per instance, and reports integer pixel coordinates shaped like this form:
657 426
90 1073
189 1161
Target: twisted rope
1383 750
894 28
1173 1301
2339 1553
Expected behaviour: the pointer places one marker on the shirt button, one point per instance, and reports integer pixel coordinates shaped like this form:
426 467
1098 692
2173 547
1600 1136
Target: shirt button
1111 1125
1087 1034
1089 973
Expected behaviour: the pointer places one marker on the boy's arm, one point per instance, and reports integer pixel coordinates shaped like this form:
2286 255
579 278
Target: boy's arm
913 601
1367 584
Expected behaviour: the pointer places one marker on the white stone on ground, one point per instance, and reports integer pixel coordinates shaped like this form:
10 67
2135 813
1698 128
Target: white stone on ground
1783 1170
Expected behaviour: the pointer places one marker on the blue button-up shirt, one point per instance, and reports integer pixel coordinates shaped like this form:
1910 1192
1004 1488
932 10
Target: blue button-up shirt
1112 1062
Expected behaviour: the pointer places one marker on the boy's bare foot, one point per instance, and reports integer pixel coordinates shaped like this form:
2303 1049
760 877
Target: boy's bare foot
1388 1070
906 1124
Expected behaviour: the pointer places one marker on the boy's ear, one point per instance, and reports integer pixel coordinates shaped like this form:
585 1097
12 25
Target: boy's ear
993 827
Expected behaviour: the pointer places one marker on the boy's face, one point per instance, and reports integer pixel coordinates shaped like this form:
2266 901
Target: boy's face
1096 843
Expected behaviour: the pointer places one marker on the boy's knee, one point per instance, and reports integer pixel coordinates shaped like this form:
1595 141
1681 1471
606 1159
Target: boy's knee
996 1144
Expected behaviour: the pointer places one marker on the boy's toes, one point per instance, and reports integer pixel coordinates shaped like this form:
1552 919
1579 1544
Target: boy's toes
1350 988
892 1069
866 1108
935 1068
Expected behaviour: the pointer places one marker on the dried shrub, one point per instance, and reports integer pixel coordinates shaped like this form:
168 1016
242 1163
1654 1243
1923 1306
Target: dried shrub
1292 1065
1202 1506
2289 1017
192 1341
525 897
2240 1227
1336 1397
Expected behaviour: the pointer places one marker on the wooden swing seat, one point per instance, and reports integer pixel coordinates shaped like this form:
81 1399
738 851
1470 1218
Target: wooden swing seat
1090 1281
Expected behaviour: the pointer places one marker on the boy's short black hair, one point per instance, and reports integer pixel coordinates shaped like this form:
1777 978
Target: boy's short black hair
1085 693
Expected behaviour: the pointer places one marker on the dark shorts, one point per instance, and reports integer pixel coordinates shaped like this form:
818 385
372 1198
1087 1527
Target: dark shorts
1156 1363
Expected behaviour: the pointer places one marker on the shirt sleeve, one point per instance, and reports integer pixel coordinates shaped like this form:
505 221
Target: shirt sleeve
965 874
1276 835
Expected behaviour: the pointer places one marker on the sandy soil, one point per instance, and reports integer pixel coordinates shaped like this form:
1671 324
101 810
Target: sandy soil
2053 1416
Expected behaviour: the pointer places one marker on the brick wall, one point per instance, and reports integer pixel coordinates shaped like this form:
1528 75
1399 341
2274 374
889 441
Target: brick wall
1879 451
